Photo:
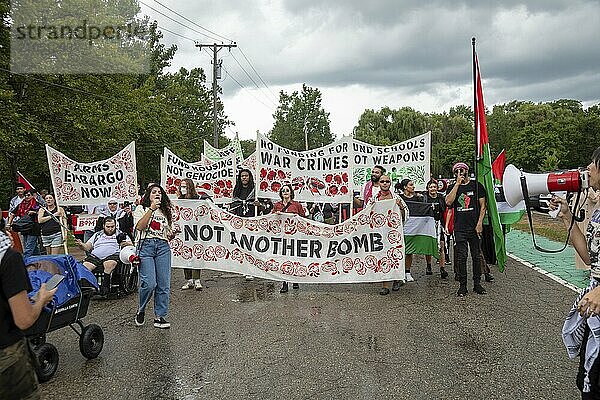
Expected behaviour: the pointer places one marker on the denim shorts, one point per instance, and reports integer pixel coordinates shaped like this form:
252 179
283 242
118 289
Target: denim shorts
54 240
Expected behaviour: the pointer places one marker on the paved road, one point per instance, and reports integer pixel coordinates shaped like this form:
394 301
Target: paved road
244 340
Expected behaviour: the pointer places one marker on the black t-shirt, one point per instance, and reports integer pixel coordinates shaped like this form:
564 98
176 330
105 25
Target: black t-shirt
13 280
439 205
466 206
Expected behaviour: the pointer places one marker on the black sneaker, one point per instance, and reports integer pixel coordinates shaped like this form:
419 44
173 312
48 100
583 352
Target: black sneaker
489 277
462 291
396 286
384 291
428 270
161 323
479 289
284 288
139 318
443 273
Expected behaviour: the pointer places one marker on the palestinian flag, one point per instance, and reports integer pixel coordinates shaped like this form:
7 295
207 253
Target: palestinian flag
21 179
484 168
420 235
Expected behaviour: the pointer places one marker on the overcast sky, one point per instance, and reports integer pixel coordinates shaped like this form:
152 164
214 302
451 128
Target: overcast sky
389 53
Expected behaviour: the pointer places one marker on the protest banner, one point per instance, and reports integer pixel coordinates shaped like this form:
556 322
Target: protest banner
86 222
215 180
320 175
368 247
409 159
234 147
76 183
250 162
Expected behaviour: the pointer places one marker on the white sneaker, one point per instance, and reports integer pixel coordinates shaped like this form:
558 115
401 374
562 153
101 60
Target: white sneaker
249 278
198 284
409 277
188 285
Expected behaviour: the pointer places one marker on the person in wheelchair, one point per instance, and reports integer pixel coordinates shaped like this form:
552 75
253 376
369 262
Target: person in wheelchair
103 248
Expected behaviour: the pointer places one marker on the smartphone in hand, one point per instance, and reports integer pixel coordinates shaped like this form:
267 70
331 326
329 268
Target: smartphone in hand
54 281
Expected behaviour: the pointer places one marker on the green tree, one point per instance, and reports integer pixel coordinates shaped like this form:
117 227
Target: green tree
300 114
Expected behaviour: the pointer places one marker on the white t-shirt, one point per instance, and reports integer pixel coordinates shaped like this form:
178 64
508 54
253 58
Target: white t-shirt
104 245
158 226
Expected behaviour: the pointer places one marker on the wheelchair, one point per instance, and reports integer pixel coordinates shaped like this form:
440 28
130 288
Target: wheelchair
123 279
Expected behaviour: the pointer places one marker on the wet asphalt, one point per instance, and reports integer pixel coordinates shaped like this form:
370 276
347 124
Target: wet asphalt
245 340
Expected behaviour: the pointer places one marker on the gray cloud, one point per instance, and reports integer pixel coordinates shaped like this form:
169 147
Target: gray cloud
528 50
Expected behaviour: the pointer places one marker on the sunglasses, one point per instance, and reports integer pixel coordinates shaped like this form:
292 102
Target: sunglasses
385 181
285 190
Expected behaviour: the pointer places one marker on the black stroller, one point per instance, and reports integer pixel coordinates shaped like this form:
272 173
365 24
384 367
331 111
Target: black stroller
68 307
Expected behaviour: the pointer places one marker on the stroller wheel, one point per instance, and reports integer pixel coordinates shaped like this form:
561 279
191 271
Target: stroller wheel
46 361
91 341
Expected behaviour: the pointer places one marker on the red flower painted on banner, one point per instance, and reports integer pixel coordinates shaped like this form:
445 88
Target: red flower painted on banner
377 220
359 266
187 214
214 216
237 255
350 227
327 232
300 269
330 267
220 252
302 226
260 264
347 264
275 226
371 262
209 254
289 226
338 229
198 251
251 225
226 216
394 237
314 270
272 265
287 268
250 258
263 224
393 219
395 253
186 253
385 265
236 222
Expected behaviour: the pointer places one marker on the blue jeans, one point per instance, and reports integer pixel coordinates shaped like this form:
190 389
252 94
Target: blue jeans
155 275
30 246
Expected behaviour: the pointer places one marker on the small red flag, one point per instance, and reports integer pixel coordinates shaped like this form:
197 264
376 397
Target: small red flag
498 166
24 181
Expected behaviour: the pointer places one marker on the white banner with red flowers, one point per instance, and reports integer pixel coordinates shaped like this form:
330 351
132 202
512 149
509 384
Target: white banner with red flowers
216 180
409 159
369 247
321 175
76 183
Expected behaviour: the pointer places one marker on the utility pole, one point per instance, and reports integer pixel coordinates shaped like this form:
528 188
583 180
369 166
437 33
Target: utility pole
216 65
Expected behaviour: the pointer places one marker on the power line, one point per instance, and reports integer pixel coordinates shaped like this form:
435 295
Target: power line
256 72
189 20
253 81
249 92
180 23
176 34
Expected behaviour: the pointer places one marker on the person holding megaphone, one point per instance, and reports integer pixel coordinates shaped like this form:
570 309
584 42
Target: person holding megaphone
581 329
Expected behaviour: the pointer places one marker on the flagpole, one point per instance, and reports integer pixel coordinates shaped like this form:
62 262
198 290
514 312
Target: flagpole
475 122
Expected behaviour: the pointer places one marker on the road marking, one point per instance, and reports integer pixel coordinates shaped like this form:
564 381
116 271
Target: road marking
544 272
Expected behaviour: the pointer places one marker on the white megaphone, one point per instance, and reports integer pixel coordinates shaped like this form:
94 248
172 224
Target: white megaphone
127 255
569 181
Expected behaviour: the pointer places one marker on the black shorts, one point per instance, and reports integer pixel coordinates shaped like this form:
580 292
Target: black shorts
100 263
